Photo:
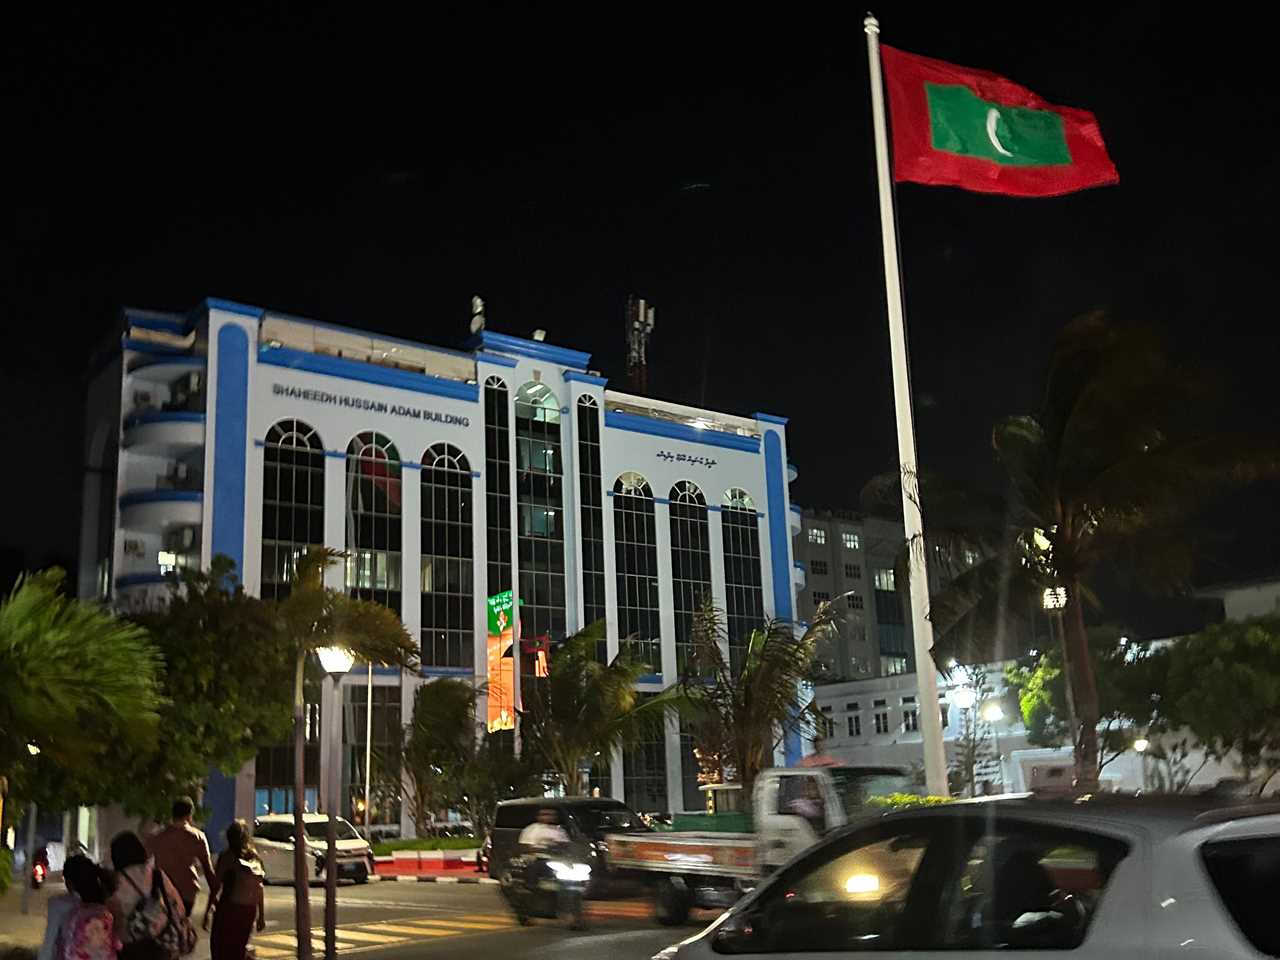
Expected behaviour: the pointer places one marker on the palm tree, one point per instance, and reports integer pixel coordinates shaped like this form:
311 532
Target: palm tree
1103 480
311 617
436 741
73 677
584 708
738 717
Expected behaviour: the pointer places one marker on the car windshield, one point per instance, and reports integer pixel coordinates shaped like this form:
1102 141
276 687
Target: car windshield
318 830
855 785
608 818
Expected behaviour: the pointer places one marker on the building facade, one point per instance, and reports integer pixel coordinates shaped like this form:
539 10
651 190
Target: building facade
849 559
445 477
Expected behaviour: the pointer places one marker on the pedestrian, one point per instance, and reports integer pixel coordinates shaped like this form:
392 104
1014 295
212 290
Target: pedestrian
89 932
149 918
62 905
237 898
182 852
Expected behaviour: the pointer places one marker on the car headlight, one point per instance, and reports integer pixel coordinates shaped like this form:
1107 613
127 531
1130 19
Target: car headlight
572 872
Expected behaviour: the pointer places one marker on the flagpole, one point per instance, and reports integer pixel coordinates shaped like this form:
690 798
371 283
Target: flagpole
930 718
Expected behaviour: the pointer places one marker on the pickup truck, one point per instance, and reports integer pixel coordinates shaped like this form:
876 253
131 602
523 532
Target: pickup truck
791 809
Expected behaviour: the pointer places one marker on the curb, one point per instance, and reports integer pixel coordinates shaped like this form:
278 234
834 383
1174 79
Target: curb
433 879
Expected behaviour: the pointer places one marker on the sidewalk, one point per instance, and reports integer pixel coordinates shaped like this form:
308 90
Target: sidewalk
19 930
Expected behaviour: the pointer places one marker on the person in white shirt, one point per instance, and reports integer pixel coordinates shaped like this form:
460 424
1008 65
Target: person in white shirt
545 832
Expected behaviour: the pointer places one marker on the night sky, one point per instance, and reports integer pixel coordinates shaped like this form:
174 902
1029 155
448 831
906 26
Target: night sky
371 168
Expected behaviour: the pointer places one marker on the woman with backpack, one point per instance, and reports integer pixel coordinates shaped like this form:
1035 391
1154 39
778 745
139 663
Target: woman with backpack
236 900
88 932
150 921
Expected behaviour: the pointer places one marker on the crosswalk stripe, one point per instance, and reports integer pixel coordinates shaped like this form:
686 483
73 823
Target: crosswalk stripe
463 924
270 953
361 935
488 918
417 931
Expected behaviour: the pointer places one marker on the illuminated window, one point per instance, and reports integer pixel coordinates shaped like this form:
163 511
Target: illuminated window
744 597
893 666
817 535
373 520
851 540
885 579
540 506
292 502
818 568
447 608
690 564
636 556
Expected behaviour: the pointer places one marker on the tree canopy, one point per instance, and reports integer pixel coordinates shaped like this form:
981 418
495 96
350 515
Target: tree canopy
75 681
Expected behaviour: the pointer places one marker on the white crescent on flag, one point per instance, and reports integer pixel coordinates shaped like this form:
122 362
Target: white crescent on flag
993 117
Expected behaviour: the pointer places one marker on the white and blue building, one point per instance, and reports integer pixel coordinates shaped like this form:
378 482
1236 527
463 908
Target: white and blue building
445 476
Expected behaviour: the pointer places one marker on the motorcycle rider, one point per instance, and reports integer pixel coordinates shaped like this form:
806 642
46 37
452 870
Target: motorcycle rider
545 833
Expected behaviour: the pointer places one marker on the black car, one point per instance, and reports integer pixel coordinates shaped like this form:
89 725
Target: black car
587 820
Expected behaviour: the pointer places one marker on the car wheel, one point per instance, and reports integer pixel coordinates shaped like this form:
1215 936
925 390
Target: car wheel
672 901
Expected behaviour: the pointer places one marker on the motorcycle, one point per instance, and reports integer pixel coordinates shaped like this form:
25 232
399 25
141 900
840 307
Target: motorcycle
39 868
545 885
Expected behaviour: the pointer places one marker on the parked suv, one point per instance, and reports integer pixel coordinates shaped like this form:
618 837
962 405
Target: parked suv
586 819
273 836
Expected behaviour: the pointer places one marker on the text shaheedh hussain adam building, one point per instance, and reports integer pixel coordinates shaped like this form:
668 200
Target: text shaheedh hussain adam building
446 477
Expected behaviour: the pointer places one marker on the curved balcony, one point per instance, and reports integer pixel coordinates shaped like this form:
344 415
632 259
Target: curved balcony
160 510
164 432
136 592
164 369
800 576
796 516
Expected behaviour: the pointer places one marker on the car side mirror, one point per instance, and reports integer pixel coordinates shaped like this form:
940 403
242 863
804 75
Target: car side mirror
740 933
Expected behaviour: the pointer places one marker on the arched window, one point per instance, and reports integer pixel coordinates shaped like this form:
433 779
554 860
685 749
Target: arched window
743 594
540 502
591 507
448 638
635 548
292 502
690 563
497 484
373 520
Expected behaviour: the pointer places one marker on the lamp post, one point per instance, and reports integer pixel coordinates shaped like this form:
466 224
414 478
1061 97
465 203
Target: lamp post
993 713
336 661
1141 745
1055 601
964 698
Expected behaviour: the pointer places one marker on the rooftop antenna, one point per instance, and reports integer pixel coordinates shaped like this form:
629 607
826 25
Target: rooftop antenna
477 314
639 328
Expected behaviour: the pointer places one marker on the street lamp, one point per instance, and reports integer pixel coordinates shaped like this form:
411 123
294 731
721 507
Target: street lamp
993 713
336 661
965 697
1055 601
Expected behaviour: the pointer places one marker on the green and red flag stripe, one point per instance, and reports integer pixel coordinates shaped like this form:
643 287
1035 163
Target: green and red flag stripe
958 127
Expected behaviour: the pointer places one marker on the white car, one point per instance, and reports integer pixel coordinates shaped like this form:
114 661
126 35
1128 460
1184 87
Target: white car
1111 877
273 837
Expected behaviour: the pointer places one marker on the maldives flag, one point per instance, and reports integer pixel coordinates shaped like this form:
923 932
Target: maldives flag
957 127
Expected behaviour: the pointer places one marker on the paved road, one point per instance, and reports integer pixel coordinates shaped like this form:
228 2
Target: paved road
397 921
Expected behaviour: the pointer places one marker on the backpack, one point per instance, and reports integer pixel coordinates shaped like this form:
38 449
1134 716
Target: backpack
157 928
